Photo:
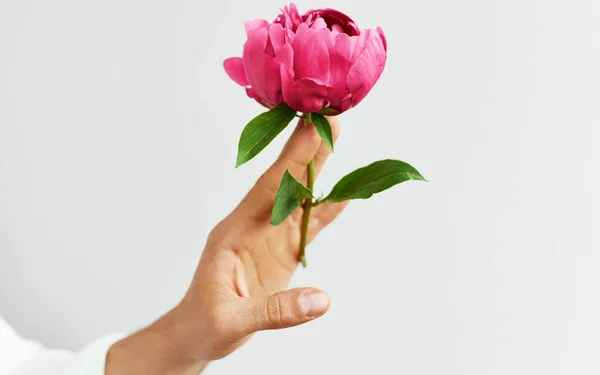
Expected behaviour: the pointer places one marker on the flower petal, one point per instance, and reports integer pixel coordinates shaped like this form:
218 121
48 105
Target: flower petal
262 70
382 36
303 95
319 23
339 56
367 69
234 67
289 18
311 55
255 24
334 18
353 41
361 42
251 94
347 102
286 56
277 37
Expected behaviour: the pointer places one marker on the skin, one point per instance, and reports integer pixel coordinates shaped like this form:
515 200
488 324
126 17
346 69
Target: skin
240 284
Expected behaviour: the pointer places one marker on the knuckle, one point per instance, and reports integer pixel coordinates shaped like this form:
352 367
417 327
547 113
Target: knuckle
276 312
323 154
269 181
264 177
272 189
273 310
316 223
296 215
296 164
215 234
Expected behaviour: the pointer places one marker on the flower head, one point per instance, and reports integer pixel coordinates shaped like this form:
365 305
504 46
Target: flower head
317 62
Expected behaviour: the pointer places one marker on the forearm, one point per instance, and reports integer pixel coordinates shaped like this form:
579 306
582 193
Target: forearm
152 350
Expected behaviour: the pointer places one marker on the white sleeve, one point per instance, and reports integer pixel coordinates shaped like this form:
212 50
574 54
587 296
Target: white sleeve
19 356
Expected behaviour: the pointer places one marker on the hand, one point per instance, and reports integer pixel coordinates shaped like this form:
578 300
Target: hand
239 285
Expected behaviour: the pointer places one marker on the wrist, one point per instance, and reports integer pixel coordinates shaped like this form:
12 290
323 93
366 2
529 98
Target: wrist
155 349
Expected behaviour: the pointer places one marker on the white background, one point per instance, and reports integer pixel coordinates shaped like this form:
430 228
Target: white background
118 135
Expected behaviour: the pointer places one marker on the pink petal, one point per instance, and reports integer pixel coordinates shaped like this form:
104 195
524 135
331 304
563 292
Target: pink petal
286 56
303 95
363 39
262 70
277 37
311 56
333 18
319 24
289 17
382 36
251 94
269 49
253 50
294 15
347 102
303 35
255 24
339 56
366 70
289 35
353 41
234 67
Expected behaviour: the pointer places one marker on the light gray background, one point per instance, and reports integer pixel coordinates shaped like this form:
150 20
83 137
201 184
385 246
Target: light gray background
118 134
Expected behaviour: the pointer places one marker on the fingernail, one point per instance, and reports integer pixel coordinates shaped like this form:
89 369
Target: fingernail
313 303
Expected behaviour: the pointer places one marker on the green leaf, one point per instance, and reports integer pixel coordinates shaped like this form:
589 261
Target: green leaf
372 179
261 130
323 128
329 112
289 196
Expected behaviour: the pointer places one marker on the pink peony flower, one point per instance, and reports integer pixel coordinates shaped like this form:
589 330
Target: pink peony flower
318 62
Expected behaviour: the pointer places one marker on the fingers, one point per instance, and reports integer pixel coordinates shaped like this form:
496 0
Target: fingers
322 216
297 153
282 310
304 144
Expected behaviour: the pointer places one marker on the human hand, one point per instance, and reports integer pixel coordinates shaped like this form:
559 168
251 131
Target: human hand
239 285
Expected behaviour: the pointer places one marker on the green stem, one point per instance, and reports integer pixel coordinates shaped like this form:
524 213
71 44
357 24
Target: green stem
307 206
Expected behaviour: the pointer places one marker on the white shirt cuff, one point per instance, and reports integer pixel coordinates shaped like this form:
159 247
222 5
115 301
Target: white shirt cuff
91 360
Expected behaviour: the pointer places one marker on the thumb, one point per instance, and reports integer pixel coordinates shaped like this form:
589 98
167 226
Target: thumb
284 309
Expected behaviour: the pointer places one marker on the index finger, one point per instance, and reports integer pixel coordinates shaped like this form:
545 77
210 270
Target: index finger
299 150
